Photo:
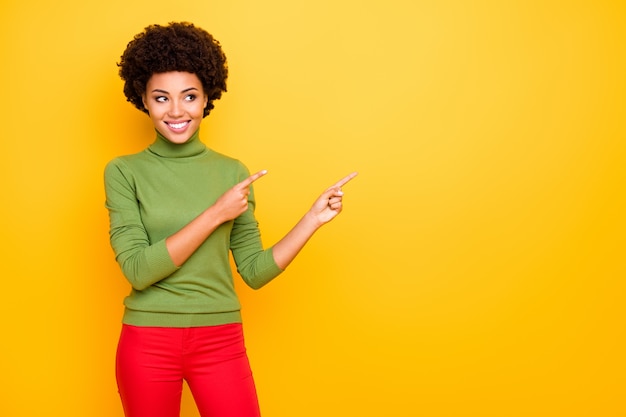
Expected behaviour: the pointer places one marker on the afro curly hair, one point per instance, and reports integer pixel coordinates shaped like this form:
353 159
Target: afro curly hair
179 46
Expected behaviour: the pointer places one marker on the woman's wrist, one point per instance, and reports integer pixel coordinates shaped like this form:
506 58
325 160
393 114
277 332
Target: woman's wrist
311 221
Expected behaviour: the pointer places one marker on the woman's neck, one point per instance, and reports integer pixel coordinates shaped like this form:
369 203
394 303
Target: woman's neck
163 147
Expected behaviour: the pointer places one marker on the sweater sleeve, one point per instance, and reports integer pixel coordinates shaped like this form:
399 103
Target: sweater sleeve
255 264
143 263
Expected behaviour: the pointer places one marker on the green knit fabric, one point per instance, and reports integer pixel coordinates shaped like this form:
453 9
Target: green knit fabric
154 193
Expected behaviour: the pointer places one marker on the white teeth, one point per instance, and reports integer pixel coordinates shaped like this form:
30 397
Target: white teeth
178 125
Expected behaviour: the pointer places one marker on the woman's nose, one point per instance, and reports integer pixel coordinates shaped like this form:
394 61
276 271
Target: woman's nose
176 109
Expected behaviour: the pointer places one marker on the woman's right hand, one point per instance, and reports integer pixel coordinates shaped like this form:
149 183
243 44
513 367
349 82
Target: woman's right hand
235 201
182 244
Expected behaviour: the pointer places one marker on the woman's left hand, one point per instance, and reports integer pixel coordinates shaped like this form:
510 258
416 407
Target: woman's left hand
325 208
330 203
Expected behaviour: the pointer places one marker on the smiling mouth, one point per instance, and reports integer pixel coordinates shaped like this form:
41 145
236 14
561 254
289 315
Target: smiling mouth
177 125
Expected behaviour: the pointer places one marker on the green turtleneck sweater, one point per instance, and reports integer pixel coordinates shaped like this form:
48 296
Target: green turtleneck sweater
153 194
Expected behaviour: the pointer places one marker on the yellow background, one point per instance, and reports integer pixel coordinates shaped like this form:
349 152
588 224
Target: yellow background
478 268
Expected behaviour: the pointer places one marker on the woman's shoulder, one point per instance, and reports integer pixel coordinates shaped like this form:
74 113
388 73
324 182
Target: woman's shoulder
129 156
227 160
123 163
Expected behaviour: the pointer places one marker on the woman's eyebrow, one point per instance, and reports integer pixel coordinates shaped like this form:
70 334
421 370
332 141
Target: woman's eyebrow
158 90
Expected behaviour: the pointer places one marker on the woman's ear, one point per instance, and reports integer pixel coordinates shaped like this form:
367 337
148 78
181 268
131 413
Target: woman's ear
145 105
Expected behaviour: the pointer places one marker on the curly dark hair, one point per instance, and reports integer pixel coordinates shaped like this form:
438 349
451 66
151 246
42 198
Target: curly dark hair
179 46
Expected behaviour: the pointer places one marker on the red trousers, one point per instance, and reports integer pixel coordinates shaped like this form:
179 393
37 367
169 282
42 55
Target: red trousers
153 361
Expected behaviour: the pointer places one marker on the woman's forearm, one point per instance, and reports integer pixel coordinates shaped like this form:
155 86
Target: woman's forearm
291 244
182 244
324 209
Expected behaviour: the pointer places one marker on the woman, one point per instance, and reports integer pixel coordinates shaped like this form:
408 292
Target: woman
176 210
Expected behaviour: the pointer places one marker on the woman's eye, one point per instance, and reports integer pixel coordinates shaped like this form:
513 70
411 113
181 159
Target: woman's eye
190 97
161 99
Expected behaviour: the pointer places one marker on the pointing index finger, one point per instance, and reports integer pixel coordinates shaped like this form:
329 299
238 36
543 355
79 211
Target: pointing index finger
252 178
344 180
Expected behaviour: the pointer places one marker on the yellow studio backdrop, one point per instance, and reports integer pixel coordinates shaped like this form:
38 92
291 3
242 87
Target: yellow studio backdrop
478 268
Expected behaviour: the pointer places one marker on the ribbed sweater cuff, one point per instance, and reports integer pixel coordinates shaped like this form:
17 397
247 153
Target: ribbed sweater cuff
159 260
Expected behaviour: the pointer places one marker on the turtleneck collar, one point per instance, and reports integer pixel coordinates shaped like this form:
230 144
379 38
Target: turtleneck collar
165 148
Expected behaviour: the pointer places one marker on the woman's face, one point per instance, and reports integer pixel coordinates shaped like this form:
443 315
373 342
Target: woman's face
175 102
